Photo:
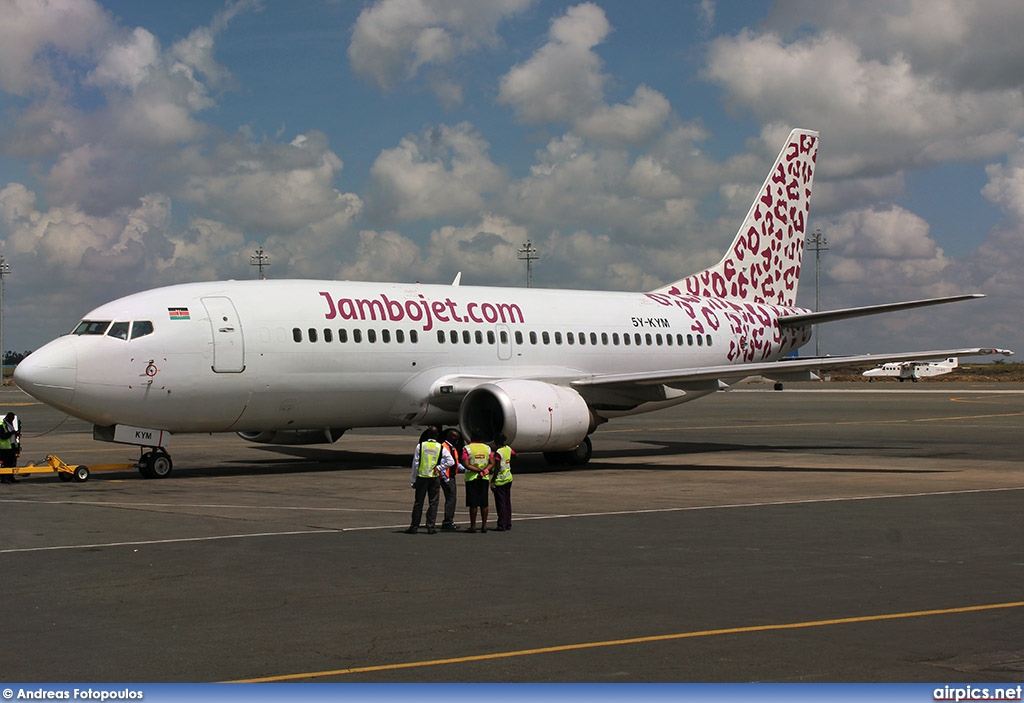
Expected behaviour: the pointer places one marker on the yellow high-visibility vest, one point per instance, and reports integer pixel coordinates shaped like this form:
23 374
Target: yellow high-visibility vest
504 472
479 457
430 454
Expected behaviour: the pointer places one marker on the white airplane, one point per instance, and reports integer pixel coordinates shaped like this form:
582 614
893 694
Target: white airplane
297 361
913 370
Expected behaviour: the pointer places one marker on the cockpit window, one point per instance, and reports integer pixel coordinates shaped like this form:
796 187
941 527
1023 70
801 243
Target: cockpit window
119 330
92 327
140 328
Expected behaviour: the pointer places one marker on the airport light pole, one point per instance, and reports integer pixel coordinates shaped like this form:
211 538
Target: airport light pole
817 243
5 269
528 253
260 259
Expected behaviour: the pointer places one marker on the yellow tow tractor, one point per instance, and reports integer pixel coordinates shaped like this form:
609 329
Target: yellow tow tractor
65 471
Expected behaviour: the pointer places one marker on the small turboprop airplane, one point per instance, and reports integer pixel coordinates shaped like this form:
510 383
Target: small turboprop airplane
300 362
913 370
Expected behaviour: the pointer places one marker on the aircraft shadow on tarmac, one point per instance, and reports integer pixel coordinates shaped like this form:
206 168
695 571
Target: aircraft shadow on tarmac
304 459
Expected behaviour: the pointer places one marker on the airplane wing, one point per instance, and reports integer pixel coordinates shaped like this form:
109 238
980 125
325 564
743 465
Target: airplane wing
699 378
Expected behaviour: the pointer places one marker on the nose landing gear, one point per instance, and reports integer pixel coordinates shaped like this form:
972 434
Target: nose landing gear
155 463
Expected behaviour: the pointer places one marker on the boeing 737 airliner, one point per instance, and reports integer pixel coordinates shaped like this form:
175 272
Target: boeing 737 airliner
294 361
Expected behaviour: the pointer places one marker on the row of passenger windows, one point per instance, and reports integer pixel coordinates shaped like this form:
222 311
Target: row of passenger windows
356 335
386 336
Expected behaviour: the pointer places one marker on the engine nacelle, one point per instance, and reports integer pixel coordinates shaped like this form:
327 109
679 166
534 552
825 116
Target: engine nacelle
323 436
533 415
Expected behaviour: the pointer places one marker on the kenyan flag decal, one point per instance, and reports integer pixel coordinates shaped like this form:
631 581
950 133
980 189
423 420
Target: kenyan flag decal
178 313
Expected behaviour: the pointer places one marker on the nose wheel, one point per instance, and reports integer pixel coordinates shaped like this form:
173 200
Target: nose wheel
155 463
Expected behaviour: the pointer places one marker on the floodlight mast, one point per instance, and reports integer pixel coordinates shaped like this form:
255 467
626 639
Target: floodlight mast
817 243
528 253
260 259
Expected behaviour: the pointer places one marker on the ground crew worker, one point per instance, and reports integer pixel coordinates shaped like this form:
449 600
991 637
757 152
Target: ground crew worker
501 483
10 445
477 459
429 460
450 487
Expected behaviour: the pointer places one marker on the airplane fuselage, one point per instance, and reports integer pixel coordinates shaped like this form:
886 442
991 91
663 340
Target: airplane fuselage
260 356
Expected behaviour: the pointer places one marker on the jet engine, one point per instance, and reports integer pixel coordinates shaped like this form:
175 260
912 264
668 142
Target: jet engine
533 415
322 436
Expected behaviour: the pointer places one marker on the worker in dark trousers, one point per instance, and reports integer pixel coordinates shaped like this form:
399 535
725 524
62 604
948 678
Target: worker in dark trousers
450 487
429 460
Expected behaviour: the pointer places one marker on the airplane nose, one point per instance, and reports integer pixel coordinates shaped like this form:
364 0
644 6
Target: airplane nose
49 373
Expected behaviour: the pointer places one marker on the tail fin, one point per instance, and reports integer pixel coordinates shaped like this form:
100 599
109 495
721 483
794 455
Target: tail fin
763 263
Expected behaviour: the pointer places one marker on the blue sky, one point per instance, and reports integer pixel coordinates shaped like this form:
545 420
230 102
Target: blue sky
149 143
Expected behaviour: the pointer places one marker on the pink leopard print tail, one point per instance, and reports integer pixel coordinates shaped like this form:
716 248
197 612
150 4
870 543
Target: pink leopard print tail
763 263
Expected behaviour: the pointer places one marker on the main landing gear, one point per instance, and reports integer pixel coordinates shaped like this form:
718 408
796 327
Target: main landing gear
574 457
155 463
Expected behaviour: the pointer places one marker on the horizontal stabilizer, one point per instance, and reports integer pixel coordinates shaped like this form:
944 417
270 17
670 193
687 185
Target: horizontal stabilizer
814 318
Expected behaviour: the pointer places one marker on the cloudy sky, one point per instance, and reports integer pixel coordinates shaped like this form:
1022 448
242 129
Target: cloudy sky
149 143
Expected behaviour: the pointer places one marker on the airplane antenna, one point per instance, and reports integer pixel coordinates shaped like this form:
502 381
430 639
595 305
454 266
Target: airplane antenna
528 253
5 269
817 243
260 259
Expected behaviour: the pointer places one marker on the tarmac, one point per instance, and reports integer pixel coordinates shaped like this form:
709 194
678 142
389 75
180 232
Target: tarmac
825 533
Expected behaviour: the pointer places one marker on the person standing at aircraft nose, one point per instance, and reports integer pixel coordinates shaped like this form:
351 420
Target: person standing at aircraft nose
478 460
501 483
10 444
430 459
450 487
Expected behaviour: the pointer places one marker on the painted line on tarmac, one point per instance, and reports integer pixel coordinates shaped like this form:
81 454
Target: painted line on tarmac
520 518
635 640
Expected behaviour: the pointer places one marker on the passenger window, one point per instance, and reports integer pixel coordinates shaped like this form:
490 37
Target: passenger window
519 337
312 334
700 340
490 336
328 335
636 338
296 334
92 327
414 336
625 339
647 338
709 340
342 335
570 337
454 336
480 337
558 337
400 336
615 338
545 337
371 336
465 337
119 330
604 338
689 340
140 328
533 337
357 336
440 336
